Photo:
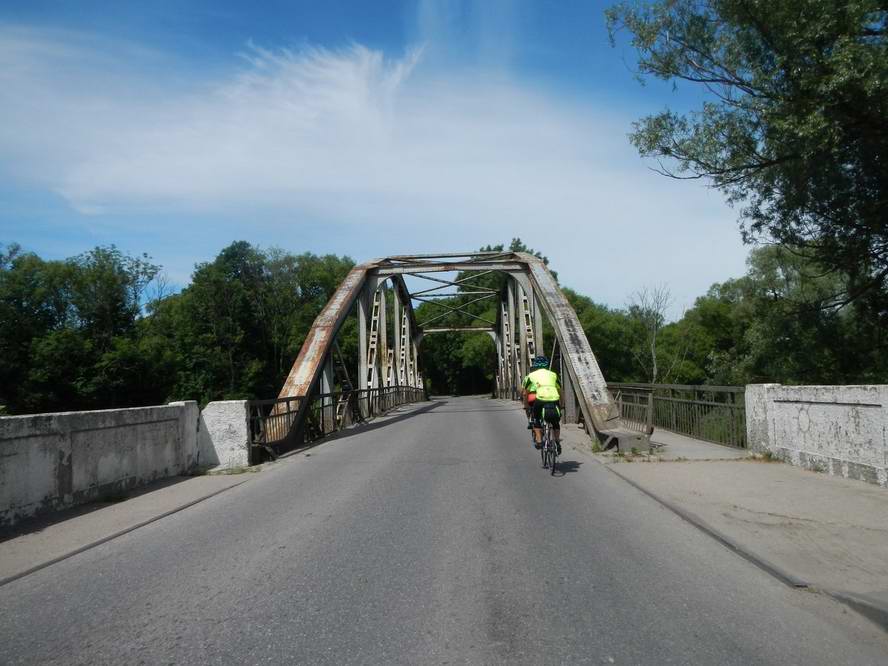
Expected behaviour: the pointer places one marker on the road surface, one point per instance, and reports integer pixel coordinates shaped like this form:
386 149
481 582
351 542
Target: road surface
432 536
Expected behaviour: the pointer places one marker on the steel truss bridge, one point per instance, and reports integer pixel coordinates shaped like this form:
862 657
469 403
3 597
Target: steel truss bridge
319 395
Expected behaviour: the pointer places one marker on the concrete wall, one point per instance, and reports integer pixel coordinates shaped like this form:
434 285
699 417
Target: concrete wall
224 435
842 430
53 461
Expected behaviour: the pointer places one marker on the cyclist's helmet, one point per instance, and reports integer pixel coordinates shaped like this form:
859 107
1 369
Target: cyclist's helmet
540 362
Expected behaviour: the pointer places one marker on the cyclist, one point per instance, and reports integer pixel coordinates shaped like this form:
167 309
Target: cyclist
544 383
528 407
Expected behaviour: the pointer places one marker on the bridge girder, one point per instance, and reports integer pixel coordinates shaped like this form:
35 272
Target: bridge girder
530 294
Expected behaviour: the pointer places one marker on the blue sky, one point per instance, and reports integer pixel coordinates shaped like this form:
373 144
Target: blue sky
352 127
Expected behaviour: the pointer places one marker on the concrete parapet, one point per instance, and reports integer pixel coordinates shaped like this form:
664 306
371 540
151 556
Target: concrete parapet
842 430
224 434
53 461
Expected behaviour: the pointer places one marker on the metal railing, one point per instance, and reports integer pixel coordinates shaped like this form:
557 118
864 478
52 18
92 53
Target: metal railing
635 408
712 413
285 424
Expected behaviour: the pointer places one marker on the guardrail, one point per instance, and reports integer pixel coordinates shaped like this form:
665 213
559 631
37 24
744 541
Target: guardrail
636 409
285 424
712 413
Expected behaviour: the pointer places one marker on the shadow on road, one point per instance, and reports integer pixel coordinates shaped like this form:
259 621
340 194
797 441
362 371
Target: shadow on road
476 411
34 524
567 467
380 422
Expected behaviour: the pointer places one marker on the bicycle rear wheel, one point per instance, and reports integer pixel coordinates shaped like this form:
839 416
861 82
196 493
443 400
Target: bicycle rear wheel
544 447
552 455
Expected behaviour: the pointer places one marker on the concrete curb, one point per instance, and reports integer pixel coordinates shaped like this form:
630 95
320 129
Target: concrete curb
99 542
871 609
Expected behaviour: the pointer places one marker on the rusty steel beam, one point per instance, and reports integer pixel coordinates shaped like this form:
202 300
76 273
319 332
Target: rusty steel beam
528 277
319 340
589 383
458 329
449 267
446 255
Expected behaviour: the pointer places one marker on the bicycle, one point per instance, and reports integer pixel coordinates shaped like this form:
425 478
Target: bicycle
549 449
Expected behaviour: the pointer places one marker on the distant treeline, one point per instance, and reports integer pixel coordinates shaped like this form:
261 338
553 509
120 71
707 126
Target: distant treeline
784 321
102 329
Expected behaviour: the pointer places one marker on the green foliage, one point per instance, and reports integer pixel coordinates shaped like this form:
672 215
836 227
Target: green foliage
763 328
465 363
62 323
794 129
611 335
82 333
240 323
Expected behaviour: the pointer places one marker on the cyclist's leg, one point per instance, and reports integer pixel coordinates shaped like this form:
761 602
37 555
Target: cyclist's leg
556 427
536 416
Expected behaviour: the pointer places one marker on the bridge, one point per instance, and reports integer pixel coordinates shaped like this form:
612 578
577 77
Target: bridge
394 528
320 396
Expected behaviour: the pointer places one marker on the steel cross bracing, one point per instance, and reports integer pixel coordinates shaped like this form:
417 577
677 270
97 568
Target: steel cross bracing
529 295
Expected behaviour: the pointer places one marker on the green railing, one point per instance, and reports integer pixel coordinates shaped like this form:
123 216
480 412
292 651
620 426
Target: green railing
711 413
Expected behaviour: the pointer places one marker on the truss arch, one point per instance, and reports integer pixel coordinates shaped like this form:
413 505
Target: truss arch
529 295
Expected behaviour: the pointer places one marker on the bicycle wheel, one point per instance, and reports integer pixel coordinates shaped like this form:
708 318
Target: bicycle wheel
552 455
544 448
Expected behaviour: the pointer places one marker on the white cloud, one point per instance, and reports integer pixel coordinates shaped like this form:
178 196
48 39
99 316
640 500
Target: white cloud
353 135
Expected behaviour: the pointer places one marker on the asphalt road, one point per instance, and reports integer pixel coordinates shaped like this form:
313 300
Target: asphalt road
430 537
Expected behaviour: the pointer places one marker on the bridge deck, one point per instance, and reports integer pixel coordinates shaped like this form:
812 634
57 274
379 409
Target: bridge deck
430 535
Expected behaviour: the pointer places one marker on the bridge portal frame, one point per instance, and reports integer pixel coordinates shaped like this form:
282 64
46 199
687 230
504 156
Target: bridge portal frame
529 295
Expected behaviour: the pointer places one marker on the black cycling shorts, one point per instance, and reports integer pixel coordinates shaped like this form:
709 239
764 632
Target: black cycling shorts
549 411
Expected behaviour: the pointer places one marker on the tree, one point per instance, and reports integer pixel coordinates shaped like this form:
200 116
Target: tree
66 328
762 327
464 363
794 129
237 327
647 308
611 336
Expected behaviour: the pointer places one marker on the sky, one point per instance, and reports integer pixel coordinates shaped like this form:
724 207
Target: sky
175 127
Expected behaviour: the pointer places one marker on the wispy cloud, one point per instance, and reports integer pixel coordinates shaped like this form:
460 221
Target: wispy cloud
354 134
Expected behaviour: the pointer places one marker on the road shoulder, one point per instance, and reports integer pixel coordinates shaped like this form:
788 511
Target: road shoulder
807 529
36 544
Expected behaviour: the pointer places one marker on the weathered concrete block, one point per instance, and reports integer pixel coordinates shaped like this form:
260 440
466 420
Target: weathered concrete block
840 430
757 430
224 434
190 423
53 461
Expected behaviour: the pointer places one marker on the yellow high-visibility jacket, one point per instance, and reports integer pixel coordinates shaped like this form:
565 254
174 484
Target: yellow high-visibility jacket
545 384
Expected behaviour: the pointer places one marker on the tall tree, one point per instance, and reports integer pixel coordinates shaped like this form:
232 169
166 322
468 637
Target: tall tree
647 308
794 128
68 330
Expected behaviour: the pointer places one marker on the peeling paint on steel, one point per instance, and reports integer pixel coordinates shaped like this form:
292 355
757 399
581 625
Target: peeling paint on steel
322 333
591 389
